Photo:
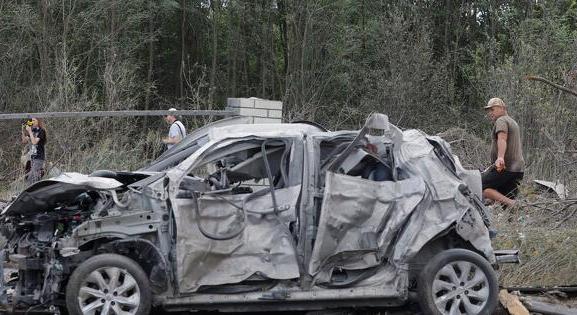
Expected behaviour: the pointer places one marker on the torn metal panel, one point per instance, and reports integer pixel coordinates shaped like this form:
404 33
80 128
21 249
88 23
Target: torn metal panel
471 228
262 130
100 183
472 178
557 187
47 194
378 121
364 222
233 237
358 220
258 245
387 275
446 204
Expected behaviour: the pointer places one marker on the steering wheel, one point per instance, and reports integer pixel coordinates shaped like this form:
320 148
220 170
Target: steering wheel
219 179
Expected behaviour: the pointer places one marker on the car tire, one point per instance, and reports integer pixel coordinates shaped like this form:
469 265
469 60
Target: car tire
108 282
458 279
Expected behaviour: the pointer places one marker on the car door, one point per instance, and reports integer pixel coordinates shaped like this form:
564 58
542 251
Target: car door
235 213
365 205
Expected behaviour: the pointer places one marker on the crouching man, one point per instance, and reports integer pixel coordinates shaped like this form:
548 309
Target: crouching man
501 180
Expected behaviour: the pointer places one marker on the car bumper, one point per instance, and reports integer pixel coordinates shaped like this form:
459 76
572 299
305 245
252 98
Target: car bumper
507 256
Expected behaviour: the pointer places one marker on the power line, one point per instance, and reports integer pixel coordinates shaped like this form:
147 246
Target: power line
124 113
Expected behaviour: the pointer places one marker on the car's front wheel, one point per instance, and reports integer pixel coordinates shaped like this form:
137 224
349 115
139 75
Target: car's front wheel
458 281
108 284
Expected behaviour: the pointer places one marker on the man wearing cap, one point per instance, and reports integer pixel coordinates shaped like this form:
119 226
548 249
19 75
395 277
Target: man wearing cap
176 133
501 180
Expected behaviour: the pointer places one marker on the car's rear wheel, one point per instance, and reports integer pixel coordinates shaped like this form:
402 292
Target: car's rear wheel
458 281
108 284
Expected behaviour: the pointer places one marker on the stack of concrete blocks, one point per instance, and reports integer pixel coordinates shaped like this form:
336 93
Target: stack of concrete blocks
260 111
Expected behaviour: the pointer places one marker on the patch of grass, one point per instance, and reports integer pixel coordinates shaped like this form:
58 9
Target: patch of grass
548 256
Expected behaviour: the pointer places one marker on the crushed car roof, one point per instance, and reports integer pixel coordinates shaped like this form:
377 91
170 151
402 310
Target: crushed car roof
263 130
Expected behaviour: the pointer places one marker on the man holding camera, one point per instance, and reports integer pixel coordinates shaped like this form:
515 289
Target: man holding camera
34 134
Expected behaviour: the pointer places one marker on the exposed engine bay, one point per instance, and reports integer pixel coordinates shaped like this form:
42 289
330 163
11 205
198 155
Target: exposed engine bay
37 223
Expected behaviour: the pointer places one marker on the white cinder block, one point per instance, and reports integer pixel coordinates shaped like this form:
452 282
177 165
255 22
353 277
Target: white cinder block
232 102
234 109
273 113
240 102
268 104
252 112
259 120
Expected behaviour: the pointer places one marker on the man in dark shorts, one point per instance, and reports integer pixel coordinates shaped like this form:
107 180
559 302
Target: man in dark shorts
501 180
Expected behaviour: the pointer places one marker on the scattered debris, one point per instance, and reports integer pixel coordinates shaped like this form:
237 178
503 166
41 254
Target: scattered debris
512 304
539 300
537 306
555 187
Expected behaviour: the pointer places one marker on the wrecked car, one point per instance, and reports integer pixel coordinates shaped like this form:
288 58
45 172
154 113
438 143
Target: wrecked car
242 217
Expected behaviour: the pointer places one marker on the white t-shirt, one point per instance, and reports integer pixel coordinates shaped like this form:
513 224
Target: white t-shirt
176 130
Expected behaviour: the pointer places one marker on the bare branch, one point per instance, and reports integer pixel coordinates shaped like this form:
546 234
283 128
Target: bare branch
562 88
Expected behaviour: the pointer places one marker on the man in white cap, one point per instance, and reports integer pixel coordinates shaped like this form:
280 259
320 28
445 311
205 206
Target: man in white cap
176 133
501 180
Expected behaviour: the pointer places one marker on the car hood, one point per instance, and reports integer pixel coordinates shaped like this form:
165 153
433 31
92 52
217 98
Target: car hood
48 194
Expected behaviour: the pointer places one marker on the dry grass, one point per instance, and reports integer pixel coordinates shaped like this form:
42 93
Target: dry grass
471 150
548 257
544 228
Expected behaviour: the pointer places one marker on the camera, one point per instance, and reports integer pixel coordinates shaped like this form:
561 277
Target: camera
28 123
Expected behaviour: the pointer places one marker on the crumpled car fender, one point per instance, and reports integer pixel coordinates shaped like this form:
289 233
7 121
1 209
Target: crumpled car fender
47 194
471 228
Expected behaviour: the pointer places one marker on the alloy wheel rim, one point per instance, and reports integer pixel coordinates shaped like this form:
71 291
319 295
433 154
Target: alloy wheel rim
108 291
460 287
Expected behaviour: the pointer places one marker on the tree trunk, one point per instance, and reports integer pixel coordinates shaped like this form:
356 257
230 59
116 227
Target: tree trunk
43 45
111 95
215 6
493 39
263 54
304 38
282 21
65 54
363 23
150 53
181 67
234 55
